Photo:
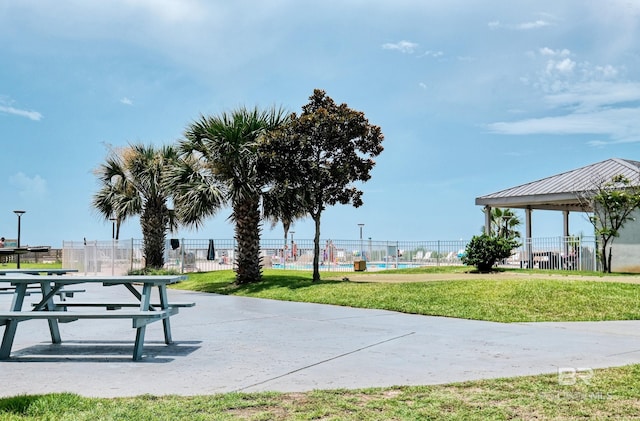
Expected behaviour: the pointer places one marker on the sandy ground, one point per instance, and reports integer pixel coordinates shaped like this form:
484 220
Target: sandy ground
427 277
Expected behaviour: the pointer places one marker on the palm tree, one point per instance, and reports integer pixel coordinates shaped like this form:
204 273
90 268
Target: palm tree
226 147
133 183
281 203
504 223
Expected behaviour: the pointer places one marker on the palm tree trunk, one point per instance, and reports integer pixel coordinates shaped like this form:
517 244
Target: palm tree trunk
153 222
247 217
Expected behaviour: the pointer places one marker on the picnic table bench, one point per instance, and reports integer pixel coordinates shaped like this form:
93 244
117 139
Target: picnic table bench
67 311
63 293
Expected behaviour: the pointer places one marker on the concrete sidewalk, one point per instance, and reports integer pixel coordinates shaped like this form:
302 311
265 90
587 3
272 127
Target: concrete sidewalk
229 343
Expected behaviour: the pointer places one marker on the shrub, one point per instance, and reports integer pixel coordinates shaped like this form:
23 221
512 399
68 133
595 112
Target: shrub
483 251
153 271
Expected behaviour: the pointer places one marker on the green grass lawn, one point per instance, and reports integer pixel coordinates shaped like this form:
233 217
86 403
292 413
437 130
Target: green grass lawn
611 394
516 299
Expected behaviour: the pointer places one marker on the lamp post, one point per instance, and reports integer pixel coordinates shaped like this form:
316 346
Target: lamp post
113 228
113 244
505 233
361 250
19 213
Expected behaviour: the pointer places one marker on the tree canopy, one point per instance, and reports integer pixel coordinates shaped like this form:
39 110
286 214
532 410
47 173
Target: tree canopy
133 182
322 153
612 202
222 167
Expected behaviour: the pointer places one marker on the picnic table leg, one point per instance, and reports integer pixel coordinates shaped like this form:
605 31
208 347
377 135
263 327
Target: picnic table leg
145 300
137 348
164 304
53 323
10 327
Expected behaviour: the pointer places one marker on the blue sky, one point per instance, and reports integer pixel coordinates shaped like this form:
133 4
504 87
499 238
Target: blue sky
472 97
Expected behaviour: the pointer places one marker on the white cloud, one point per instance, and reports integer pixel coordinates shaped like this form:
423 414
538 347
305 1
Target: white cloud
581 99
546 51
126 101
562 67
608 71
422 85
434 54
403 46
532 25
31 115
173 11
595 95
29 187
620 124
523 26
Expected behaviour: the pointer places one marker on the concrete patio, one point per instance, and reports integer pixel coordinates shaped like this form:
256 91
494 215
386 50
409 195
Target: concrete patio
229 343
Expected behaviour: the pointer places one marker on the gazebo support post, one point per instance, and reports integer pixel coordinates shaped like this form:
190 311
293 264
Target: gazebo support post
487 219
528 250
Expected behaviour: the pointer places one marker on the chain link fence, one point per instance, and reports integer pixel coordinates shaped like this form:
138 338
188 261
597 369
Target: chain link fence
118 257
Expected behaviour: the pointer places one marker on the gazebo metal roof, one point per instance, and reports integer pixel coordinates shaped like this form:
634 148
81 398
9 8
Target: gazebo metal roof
560 192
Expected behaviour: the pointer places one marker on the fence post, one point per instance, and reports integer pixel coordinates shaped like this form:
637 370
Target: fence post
182 255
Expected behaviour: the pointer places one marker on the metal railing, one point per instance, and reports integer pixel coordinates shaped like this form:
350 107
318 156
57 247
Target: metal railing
118 257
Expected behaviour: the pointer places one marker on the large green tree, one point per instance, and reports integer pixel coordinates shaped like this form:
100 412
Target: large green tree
220 153
132 183
612 203
323 153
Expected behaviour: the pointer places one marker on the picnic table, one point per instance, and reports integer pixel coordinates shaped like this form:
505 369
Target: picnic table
142 311
38 271
9 251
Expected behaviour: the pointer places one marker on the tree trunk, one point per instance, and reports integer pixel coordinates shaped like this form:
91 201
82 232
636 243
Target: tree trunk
154 223
284 247
603 257
316 249
246 213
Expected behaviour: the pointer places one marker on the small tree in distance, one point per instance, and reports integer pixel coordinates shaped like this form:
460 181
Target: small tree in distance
504 223
612 203
483 251
321 154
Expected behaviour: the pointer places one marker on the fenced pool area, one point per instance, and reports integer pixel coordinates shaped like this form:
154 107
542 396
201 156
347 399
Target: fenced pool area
118 257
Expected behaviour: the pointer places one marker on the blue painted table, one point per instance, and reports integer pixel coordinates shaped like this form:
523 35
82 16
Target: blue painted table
141 313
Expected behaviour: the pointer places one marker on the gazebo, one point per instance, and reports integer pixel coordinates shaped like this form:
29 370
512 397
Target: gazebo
559 192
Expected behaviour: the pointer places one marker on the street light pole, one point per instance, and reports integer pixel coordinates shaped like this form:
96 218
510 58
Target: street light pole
113 245
19 213
505 219
361 250
113 228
